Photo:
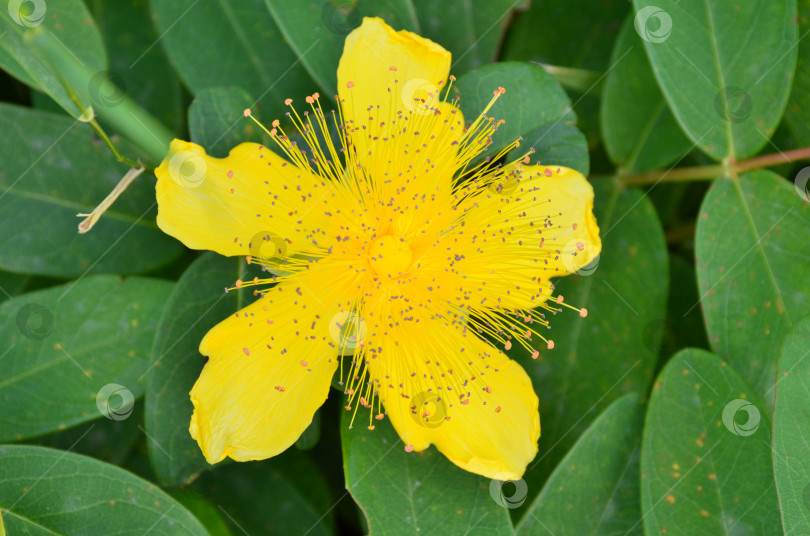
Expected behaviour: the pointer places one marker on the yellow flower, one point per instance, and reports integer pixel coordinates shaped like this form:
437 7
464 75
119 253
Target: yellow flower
394 253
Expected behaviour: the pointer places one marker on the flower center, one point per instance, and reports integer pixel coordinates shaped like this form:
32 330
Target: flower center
390 256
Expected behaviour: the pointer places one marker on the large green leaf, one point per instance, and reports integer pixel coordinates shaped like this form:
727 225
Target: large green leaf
70 22
75 352
724 67
595 489
614 350
49 492
639 130
706 455
534 106
216 120
798 110
316 30
50 173
471 35
143 74
751 249
419 493
236 42
197 304
791 430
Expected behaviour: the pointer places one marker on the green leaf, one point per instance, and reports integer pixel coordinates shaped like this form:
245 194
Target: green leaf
614 350
316 30
534 106
639 130
595 489
798 109
276 484
410 493
52 172
46 491
70 22
791 430
471 35
724 67
144 74
230 42
75 352
706 454
751 255
216 120
197 304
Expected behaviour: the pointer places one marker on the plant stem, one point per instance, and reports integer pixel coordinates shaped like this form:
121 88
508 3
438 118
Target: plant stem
712 172
121 113
673 175
772 159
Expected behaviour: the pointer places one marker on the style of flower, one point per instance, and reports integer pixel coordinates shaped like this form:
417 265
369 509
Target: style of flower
397 256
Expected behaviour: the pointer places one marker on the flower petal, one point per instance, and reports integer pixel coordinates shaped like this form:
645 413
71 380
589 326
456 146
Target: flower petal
447 387
365 78
533 223
236 205
269 369
401 130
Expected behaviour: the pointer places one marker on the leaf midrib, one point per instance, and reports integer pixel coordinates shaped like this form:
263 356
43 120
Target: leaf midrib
720 78
758 246
641 141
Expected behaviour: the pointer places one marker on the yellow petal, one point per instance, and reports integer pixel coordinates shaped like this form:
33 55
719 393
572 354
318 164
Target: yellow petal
442 385
402 131
249 203
369 54
269 369
534 223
